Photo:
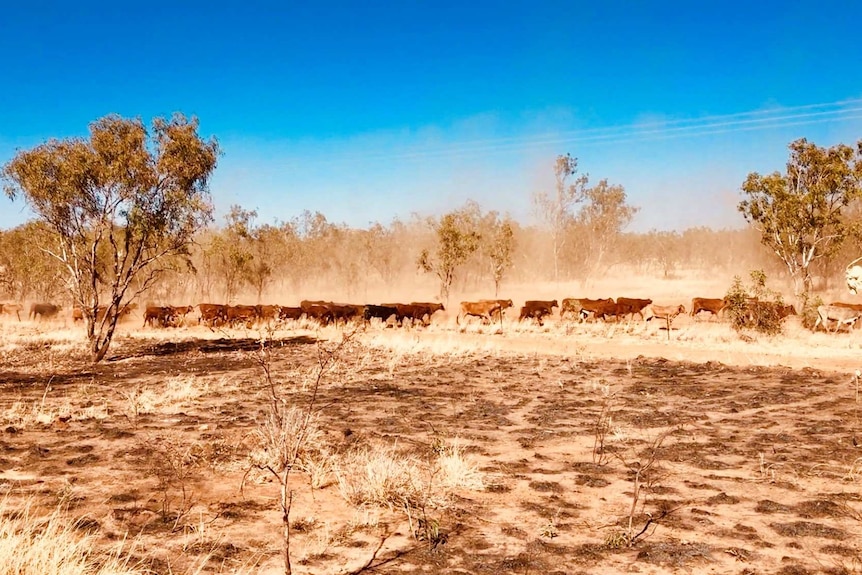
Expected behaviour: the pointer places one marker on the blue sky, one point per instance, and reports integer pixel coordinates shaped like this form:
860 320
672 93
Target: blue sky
371 110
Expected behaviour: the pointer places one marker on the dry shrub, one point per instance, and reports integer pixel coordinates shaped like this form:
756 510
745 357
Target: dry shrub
288 438
24 415
30 545
380 476
176 465
809 310
457 471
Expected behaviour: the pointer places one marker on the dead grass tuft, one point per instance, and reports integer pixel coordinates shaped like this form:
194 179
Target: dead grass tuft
53 545
379 477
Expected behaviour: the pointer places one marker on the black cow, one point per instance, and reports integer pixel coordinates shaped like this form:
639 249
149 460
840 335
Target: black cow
381 312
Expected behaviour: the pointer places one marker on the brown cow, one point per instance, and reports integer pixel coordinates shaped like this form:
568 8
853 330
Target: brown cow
402 311
571 305
581 307
781 310
712 305
628 305
43 310
537 309
178 314
381 312
289 313
603 310
345 311
431 307
756 309
166 316
267 313
504 305
213 314
413 312
306 304
156 315
484 309
244 314
78 312
319 313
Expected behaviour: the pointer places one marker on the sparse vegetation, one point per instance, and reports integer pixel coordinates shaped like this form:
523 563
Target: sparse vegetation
330 447
557 209
643 472
54 545
810 303
754 306
372 488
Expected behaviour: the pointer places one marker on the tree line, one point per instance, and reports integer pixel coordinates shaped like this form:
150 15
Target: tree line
465 250
126 213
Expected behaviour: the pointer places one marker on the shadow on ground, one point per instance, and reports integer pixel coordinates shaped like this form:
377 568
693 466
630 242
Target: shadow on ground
208 346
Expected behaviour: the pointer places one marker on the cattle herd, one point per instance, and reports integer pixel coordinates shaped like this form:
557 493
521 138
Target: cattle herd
830 317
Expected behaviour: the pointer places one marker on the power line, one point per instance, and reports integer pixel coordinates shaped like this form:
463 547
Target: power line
809 114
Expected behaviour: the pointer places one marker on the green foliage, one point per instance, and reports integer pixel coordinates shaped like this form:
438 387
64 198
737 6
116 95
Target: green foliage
799 214
244 253
754 306
457 239
582 239
603 215
809 310
120 203
28 272
501 240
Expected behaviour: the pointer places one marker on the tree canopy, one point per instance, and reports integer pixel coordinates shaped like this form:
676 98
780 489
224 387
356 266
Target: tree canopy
119 202
456 239
557 210
799 213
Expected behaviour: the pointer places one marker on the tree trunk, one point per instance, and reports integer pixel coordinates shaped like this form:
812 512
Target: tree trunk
102 341
556 259
286 504
806 282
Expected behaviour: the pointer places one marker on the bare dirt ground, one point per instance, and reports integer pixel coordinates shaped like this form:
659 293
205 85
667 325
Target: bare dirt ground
600 448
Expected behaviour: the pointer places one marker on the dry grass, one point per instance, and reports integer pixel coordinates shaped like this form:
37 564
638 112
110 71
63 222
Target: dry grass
457 469
525 398
172 396
53 545
381 476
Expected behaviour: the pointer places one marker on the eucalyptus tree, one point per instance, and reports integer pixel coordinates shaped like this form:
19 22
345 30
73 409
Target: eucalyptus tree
799 213
121 202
